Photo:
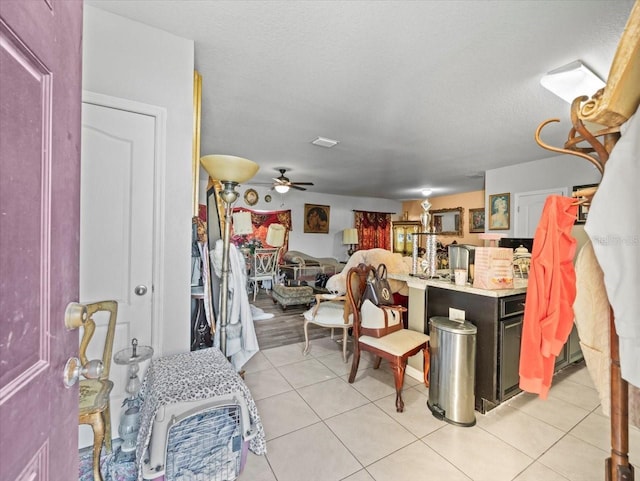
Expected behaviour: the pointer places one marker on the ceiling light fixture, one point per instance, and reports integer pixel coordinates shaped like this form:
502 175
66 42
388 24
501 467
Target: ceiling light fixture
282 189
324 142
571 81
427 192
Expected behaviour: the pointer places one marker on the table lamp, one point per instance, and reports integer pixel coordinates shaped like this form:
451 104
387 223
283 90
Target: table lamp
350 237
275 235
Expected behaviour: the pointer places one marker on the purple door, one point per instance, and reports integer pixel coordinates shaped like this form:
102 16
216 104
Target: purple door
40 94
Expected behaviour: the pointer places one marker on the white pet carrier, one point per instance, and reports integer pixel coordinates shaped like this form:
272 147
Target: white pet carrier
204 440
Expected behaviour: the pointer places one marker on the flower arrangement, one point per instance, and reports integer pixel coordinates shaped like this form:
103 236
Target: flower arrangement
244 242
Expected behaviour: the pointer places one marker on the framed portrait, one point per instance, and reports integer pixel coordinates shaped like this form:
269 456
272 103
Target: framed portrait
583 210
476 220
499 211
251 197
316 219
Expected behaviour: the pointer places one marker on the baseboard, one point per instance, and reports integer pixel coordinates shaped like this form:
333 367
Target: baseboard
414 373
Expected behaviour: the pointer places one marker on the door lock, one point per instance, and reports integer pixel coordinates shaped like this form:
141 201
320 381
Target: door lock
140 290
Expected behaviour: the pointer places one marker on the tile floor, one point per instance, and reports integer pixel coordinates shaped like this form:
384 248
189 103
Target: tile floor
321 428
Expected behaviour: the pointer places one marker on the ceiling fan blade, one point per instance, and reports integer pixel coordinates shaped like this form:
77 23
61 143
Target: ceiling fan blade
293 186
301 183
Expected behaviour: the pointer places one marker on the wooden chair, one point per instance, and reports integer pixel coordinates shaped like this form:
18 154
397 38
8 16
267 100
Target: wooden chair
395 347
330 311
94 393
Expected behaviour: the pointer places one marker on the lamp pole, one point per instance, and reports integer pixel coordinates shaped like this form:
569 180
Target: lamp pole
229 196
235 170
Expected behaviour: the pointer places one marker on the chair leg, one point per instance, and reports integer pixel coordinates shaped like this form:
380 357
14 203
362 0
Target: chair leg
426 354
345 335
98 437
306 337
376 365
255 290
107 428
399 366
354 363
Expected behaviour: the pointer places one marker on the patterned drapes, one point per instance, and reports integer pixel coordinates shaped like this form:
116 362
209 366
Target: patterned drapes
261 222
374 229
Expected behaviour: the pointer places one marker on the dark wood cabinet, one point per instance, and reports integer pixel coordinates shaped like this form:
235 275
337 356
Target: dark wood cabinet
483 312
499 323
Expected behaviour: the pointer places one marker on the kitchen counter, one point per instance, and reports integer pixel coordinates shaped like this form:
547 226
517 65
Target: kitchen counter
520 286
483 307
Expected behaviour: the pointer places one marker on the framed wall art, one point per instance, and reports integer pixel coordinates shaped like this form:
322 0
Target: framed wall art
476 220
251 197
583 210
500 211
316 219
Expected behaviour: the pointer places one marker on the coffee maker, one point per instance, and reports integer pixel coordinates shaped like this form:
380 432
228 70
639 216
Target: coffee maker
462 256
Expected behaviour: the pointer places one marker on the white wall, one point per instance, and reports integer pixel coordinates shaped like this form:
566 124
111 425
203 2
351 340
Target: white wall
340 217
130 60
552 172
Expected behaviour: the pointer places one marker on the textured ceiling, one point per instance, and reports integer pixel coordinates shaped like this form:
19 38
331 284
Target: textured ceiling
420 94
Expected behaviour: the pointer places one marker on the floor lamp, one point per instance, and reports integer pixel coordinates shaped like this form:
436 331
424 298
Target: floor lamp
230 171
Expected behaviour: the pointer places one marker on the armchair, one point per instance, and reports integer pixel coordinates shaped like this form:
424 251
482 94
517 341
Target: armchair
330 311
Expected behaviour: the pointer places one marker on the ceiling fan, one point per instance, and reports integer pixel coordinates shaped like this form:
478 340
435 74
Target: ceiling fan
282 184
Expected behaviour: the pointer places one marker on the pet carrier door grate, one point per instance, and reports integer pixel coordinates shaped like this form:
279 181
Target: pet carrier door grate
207 442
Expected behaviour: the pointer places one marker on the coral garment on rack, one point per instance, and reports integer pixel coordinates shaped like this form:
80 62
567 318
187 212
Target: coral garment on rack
548 314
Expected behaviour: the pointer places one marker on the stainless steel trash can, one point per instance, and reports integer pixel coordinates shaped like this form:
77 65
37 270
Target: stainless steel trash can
452 370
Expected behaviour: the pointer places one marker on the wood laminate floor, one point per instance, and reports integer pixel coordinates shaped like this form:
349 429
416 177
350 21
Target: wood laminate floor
286 327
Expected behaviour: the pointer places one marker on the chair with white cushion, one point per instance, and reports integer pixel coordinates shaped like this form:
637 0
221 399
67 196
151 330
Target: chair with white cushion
330 311
369 323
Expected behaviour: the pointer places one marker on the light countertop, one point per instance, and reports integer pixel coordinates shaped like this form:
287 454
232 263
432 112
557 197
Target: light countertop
520 286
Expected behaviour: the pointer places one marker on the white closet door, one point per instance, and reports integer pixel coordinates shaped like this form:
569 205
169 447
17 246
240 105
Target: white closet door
528 209
116 239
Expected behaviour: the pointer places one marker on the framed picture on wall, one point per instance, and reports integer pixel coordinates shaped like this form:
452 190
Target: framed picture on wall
476 220
316 219
499 207
583 210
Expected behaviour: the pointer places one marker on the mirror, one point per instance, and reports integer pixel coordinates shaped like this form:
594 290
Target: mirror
447 221
215 213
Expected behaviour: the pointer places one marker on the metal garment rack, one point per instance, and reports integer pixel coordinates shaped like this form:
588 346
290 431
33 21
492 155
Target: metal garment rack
609 108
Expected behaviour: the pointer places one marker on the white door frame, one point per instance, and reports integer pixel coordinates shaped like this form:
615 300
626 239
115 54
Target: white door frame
160 115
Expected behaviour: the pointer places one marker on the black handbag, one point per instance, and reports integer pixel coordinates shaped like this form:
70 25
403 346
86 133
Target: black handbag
378 290
321 279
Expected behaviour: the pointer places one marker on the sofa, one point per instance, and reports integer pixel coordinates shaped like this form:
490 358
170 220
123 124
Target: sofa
299 266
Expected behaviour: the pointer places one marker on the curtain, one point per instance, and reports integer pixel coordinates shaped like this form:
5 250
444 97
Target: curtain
261 221
374 230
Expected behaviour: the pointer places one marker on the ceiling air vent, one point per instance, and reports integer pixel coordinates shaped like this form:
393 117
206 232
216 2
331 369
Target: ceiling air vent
324 142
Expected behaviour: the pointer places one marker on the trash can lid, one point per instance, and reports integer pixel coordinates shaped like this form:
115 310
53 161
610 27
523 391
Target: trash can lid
452 325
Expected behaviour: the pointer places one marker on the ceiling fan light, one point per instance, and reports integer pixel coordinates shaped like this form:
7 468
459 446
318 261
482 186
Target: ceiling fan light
282 189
